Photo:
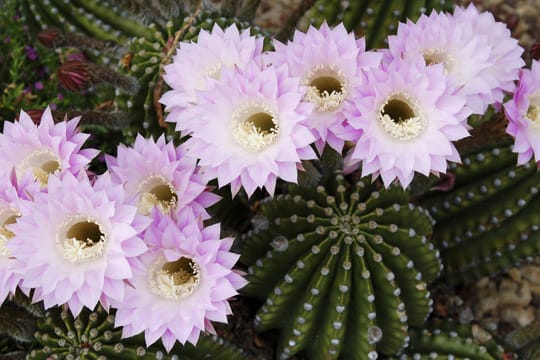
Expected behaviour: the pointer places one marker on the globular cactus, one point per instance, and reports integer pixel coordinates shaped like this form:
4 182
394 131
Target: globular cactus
447 340
372 18
92 335
345 264
490 220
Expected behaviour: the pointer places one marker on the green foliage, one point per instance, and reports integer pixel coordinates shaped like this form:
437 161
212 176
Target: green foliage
373 18
446 340
27 78
344 263
489 221
92 335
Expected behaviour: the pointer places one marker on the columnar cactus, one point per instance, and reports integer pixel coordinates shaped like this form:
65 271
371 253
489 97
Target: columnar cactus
92 335
489 221
446 340
374 19
347 264
101 19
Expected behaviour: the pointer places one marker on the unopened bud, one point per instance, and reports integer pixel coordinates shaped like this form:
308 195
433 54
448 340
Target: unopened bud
49 37
73 75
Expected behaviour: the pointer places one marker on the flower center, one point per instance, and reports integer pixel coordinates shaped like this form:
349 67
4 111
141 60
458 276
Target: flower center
439 56
533 112
81 239
7 216
175 279
157 191
401 117
254 126
326 87
42 163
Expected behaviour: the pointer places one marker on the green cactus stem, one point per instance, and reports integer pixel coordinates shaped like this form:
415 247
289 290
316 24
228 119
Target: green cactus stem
446 340
490 220
372 18
92 335
346 264
101 19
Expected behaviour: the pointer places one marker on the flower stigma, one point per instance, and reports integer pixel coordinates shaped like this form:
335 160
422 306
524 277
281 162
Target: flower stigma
81 239
326 87
175 279
400 116
254 126
156 190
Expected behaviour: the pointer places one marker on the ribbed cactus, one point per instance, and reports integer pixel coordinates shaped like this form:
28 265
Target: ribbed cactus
92 335
346 264
446 340
490 219
373 18
102 19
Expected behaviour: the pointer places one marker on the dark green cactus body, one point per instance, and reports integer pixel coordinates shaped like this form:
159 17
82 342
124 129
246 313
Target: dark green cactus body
344 264
374 19
446 340
92 335
490 219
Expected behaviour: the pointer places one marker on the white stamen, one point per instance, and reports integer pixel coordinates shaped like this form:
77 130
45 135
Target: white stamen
401 117
533 112
5 235
42 163
8 216
440 56
254 126
156 190
81 239
326 87
176 279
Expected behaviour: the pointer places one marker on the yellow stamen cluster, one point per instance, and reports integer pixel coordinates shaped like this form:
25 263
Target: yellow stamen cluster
401 117
254 126
154 191
175 279
440 56
326 87
42 163
81 239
